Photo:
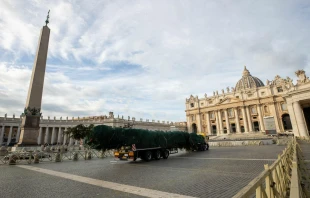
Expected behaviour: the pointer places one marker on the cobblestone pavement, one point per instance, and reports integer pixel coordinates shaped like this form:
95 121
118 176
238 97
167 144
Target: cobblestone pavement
219 172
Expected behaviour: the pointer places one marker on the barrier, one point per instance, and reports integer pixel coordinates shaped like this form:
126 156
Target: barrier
300 175
274 181
50 154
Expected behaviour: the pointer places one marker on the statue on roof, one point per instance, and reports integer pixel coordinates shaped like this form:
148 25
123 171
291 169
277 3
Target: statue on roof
301 74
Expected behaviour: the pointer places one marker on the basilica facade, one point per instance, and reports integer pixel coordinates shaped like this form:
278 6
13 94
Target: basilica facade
279 106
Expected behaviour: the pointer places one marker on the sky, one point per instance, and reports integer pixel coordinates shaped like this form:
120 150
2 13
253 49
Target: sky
144 58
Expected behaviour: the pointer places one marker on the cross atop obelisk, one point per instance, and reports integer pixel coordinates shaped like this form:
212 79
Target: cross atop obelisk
32 113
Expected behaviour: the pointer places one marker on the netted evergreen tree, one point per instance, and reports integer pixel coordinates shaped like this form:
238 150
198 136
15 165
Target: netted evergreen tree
104 138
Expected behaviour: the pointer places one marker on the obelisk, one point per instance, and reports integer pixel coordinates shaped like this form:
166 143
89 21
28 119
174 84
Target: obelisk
32 113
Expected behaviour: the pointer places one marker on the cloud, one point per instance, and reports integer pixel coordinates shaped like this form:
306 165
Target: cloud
143 58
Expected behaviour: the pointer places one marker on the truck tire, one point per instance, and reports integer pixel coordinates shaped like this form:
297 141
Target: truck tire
165 154
147 156
157 155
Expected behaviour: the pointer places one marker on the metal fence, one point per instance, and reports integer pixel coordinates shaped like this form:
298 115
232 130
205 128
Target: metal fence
49 154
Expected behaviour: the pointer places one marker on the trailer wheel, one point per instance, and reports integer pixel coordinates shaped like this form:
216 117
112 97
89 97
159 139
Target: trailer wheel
147 156
157 155
165 154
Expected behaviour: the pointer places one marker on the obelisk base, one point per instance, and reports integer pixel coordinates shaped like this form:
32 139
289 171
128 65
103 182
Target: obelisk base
29 131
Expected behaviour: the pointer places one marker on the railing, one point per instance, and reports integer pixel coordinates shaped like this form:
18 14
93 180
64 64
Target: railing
54 154
274 181
300 176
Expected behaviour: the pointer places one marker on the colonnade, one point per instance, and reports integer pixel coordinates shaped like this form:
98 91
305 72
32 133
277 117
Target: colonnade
10 135
47 135
54 135
234 123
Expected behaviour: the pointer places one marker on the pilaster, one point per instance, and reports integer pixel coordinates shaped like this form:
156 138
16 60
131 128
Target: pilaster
261 121
250 124
245 122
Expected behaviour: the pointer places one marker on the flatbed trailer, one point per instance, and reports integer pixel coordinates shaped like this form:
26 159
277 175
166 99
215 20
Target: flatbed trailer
131 153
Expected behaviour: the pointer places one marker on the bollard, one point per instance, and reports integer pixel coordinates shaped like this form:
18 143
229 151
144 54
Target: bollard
89 155
75 156
12 159
36 158
3 151
58 158
102 154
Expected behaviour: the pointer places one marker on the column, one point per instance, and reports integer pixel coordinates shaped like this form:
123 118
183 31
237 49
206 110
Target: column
275 115
59 135
198 123
70 142
65 137
189 127
40 136
250 125
217 123
227 121
220 122
10 135
2 134
53 136
208 123
300 119
293 119
261 120
46 138
245 123
237 121
18 134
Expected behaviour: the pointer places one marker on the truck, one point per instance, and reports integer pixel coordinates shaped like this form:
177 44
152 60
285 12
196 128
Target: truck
131 144
133 152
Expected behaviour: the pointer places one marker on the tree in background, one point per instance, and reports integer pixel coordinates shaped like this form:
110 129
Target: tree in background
79 132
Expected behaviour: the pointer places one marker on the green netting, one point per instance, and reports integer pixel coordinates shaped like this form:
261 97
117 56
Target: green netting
105 137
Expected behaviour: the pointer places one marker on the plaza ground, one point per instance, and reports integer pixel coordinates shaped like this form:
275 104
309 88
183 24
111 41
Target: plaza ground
219 172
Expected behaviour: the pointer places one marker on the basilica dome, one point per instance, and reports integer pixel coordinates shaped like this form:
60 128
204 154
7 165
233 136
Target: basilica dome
248 81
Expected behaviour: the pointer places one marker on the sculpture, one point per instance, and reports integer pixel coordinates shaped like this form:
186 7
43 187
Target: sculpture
223 91
206 95
217 93
267 82
232 89
213 93
227 89
302 77
47 17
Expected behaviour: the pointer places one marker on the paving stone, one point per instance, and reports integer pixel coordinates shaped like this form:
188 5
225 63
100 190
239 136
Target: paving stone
198 174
